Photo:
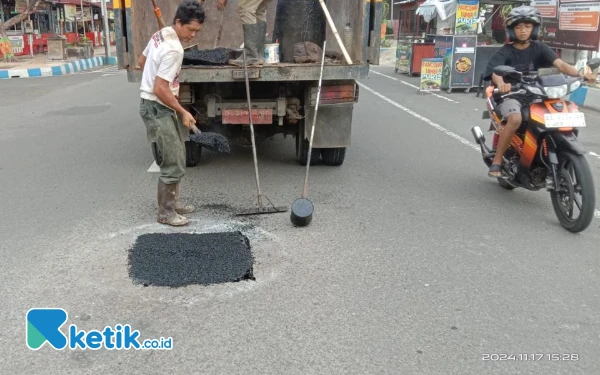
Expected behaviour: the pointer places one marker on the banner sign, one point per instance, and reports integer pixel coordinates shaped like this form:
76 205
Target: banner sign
573 26
467 17
431 74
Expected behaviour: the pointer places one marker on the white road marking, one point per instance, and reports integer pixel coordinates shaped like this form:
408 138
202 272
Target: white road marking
422 118
594 154
154 168
109 70
440 127
415 87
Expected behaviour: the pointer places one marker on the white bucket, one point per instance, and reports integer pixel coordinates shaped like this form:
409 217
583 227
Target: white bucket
272 53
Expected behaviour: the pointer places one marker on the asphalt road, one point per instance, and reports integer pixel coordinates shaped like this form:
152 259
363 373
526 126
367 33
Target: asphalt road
416 262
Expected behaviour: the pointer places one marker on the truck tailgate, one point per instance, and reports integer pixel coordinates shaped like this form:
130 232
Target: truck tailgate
135 23
266 73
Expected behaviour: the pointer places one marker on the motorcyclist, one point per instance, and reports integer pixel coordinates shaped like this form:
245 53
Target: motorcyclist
525 54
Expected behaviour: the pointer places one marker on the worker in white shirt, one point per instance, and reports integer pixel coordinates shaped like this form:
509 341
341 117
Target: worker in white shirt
160 109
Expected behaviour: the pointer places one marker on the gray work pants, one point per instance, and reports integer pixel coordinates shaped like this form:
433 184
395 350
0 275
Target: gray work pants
253 11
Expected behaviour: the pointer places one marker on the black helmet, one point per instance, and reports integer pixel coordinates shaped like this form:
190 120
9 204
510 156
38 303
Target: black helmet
523 14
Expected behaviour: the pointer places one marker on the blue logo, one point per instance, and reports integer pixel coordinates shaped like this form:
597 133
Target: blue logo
43 325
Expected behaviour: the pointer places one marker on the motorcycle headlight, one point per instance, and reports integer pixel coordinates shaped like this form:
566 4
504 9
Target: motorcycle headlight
536 90
556 92
574 86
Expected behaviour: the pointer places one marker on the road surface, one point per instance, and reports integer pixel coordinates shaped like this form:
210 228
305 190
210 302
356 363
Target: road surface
415 263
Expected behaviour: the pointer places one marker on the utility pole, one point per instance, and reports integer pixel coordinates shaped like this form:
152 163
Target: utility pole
82 19
106 37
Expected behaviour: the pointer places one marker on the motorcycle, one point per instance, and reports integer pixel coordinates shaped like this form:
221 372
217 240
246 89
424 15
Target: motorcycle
545 152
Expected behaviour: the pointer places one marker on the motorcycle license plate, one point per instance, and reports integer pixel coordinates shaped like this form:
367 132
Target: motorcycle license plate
565 120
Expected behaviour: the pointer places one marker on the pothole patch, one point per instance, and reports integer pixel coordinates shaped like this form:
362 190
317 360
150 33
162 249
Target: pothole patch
181 259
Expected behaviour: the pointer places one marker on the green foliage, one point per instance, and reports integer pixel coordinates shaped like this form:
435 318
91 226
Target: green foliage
386 10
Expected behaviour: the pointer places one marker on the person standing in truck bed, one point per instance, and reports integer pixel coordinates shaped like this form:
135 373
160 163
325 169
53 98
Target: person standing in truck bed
254 22
159 108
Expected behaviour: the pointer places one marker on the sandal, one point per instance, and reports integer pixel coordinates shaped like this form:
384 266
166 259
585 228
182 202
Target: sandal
495 171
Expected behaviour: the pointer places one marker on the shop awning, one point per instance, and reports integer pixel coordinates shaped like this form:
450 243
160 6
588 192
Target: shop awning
95 4
432 8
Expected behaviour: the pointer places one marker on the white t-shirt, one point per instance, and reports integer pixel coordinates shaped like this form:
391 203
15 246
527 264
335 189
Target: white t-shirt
164 56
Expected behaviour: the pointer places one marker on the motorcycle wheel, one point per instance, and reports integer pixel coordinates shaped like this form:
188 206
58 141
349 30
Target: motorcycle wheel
575 178
505 184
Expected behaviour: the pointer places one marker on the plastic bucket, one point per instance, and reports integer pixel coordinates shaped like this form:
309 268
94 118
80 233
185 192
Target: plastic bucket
272 53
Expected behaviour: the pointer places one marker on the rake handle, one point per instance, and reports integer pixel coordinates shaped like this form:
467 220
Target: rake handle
335 32
314 124
158 14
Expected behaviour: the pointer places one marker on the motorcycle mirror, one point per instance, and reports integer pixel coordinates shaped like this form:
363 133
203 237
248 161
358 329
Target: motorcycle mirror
503 70
594 63
506 71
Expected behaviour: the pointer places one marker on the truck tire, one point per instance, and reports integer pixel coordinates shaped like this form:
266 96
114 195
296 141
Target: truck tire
193 153
333 156
302 149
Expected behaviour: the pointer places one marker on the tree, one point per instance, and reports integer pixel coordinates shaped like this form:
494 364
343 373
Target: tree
5 45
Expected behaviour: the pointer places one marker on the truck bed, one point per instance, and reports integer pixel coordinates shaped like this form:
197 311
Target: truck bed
267 73
135 23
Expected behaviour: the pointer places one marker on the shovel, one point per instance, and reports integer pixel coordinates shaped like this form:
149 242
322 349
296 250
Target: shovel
212 141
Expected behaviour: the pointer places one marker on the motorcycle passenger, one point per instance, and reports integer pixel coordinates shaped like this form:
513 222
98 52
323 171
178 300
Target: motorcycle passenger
525 54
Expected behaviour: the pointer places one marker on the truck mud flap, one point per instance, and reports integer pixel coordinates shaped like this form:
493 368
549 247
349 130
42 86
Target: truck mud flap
334 124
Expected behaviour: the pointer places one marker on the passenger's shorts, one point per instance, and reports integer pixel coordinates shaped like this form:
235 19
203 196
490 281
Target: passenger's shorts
509 107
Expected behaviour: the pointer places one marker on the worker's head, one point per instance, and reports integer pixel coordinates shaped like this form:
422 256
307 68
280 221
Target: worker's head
523 24
188 20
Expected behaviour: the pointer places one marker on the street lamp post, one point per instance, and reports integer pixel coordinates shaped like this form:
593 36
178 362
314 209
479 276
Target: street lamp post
82 19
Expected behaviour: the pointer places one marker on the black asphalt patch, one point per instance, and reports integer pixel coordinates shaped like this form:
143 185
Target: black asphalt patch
217 56
180 259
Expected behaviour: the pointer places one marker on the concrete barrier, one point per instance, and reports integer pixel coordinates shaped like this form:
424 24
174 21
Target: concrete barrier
60 70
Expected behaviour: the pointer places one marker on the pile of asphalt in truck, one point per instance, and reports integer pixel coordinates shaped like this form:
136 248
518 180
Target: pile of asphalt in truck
296 21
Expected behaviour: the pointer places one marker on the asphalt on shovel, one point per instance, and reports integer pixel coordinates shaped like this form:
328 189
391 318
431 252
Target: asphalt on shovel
303 208
212 141
260 209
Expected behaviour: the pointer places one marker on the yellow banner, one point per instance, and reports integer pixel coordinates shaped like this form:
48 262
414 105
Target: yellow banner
467 17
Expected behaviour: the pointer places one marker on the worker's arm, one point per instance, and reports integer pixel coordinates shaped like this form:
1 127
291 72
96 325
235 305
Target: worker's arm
164 94
168 70
141 61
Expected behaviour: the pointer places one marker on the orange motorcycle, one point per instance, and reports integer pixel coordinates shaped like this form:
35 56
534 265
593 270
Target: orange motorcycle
545 152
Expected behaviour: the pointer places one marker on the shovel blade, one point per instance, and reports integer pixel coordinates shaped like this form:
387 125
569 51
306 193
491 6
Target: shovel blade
212 141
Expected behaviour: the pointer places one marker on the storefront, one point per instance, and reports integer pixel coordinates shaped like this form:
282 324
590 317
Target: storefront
63 17
413 45
467 34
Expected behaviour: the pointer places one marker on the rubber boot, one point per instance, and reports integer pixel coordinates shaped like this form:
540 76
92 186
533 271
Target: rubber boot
166 206
262 36
181 208
250 46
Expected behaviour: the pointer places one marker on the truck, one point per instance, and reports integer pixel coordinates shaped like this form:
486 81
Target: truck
283 93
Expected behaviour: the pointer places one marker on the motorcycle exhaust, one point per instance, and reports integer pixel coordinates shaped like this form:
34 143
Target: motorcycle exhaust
478 134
